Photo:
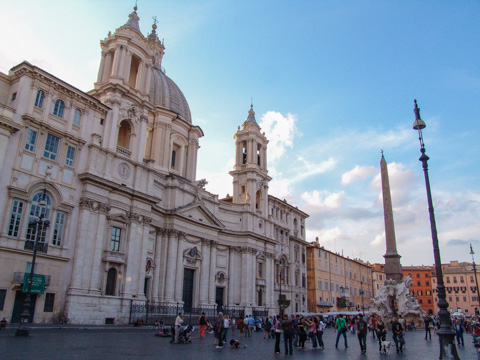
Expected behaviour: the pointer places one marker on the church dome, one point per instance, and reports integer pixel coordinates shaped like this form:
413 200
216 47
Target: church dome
165 93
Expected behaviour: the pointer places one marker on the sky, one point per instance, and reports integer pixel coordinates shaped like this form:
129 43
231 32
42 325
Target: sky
332 84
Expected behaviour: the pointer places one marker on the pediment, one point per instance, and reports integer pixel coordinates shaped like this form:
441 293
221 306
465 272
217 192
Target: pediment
118 217
199 213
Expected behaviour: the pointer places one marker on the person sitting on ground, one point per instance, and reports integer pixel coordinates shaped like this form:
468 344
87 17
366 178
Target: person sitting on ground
3 324
235 344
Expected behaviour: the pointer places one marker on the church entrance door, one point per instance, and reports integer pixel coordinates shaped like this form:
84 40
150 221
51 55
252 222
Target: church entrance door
187 297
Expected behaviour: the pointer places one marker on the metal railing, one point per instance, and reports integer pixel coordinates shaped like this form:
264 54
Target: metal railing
41 246
149 313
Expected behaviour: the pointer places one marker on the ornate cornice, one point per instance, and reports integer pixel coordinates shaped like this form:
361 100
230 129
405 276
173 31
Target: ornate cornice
94 205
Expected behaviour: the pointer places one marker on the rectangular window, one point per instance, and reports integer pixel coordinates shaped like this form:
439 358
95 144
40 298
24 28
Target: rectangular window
58 229
319 284
461 279
70 155
304 281
3 294
14 96
15 218
49 301
51 147
173 158
31 140
115 239
319 252
326 285
454 279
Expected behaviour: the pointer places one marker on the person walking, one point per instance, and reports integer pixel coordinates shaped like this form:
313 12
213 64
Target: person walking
341 329
381 331
459 330
240 326
246 328
226 325
202 324
312 332
287 326
362 331
428 323
217 328
397 330
321 327
296 322
278 334
268 327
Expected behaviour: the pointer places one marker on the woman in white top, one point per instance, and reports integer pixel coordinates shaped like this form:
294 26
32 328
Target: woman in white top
226 325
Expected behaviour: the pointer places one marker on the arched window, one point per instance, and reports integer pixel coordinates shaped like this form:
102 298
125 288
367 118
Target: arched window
39 99
59 108
111 281
76 117
124 135
38 209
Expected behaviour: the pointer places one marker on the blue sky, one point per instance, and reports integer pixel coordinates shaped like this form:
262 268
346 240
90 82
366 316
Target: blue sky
332 84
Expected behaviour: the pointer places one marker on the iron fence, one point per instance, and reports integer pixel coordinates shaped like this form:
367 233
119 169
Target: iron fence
149 313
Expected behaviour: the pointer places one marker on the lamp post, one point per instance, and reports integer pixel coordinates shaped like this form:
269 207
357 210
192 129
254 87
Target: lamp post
362 292
475 272
40 223
446 335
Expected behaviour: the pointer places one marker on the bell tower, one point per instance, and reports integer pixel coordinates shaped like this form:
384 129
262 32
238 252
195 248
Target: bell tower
250 174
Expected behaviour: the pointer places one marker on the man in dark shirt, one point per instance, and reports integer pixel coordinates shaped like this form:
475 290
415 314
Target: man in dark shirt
398 336
287 326
362 330
428 321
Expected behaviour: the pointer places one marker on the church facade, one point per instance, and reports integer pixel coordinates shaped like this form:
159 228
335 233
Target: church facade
114 172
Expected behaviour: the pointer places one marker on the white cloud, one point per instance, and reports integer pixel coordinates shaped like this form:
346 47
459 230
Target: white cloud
358 173
320 201
280 131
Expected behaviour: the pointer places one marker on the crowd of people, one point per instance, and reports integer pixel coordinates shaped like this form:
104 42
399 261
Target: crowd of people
298 330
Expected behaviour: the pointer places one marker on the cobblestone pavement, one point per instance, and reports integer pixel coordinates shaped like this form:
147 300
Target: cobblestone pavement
140 343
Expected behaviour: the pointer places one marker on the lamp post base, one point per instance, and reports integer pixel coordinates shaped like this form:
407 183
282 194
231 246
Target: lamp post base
448 350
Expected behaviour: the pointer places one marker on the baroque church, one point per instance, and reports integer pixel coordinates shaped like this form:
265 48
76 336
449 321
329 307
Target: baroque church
113 170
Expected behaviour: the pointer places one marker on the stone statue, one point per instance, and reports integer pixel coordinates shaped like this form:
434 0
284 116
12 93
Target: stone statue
397 291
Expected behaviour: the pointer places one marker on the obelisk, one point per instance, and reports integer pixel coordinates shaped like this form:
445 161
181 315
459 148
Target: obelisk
393 268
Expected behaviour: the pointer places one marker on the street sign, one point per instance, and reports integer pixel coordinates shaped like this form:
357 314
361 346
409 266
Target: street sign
38 283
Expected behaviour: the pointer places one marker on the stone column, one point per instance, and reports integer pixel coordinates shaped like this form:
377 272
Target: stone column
84 228
163 263
171 267
245 294
98 246
157 262
142 253
179 270
204 272
231 270
269 276
213 268
132 253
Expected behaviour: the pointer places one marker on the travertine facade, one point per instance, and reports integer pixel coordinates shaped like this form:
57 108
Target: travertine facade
335 282
129 219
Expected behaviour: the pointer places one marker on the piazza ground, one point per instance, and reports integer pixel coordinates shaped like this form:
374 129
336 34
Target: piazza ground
120 343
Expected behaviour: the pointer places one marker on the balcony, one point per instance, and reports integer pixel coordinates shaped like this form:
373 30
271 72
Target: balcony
261 282
41 246
18 278
123 151
325 304
113 257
